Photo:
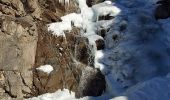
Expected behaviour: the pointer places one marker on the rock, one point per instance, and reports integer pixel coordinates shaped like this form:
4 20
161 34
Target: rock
34 8
83 51
92 2
163 10
92 83
17 50
100 44
12 7
26 44
61 53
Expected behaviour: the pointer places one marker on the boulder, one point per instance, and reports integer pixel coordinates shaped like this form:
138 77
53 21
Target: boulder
92 83
163 10
100 44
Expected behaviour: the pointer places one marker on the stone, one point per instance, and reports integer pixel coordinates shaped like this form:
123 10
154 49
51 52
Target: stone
92 83
26 44
92 2
163 9
100 44
17 55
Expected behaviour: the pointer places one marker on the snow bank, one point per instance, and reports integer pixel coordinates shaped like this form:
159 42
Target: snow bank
165 23
154 89
136 47
120 98
68 21
58 95
46 68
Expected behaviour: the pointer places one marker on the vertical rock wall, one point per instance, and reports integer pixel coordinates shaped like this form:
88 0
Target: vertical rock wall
25 44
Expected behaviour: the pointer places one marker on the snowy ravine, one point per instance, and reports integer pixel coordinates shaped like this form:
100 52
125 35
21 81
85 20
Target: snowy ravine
136 58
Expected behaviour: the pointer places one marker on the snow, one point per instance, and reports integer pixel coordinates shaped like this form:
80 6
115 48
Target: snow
58 95
120 98
58 28
135 63
104 9
86 20
154 89
46 68
165 23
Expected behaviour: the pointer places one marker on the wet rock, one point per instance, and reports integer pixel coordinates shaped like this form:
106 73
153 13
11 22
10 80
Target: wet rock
100 44
92 83
106 17
92 2
83 51
163 10
12 7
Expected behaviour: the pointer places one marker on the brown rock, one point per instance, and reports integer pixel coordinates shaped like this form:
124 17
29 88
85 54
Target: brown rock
18 45
83 51
61 53
163 10
22 24
12 7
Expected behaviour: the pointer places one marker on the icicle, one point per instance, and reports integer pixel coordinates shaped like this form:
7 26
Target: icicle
66 2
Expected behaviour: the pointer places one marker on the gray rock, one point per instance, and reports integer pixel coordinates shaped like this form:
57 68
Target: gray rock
92 83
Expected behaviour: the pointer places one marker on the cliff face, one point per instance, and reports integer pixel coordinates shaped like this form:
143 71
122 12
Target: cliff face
18 41
25 44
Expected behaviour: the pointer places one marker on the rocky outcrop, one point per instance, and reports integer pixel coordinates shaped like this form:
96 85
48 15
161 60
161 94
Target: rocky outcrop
100 44
56 51
25 44
18 42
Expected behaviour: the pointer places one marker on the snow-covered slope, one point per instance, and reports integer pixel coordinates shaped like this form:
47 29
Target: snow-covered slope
136 57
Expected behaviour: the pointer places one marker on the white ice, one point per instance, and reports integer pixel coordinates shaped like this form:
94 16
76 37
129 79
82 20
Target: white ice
46 68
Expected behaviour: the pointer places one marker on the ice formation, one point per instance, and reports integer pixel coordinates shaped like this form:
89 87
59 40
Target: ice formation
64 1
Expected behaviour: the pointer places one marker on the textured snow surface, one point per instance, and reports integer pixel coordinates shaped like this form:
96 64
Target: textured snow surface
46 68
155 89
58 28
136 58
58 95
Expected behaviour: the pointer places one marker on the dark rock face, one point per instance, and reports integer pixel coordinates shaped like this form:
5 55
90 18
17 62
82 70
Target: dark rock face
163 10
100 44
92 83
83 51
92 2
